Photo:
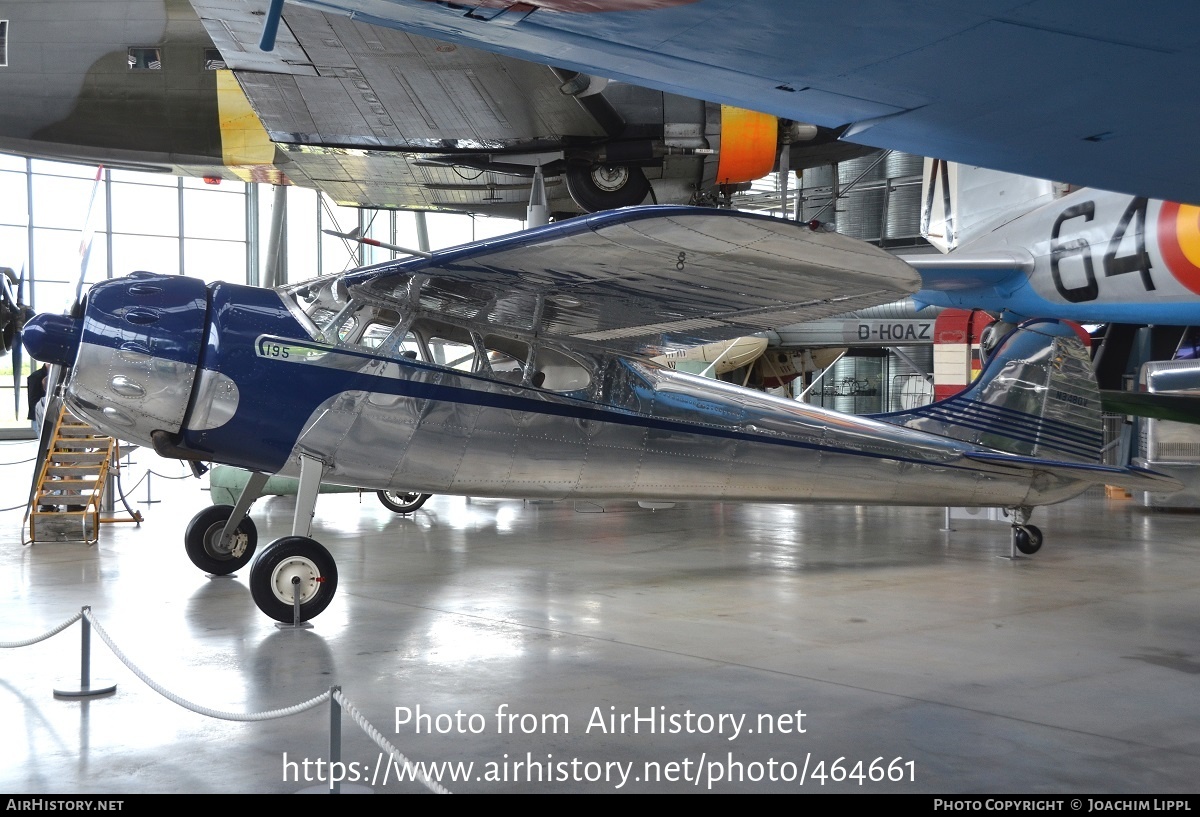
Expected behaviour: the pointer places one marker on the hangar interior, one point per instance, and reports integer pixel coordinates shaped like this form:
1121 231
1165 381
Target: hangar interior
579 646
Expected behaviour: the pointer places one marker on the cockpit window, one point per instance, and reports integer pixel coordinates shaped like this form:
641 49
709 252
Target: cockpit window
332 315
445 352
375 334
562 373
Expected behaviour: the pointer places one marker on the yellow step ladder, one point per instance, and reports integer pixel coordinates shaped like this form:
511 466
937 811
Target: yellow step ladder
70 485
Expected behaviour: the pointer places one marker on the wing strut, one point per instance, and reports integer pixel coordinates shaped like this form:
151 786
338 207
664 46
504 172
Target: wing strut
271 26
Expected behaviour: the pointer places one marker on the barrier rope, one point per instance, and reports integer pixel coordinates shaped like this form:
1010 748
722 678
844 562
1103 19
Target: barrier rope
48 634
414 772
197 708
375 735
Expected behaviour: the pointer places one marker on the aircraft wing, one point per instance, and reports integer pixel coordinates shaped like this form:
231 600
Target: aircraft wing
1091 93
644 279
358 111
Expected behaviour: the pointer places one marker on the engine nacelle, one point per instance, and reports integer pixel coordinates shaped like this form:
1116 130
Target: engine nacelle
139 350
749 145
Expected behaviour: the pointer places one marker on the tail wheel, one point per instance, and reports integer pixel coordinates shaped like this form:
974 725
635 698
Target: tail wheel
202 541
402 501
1028 539
606 187
293 557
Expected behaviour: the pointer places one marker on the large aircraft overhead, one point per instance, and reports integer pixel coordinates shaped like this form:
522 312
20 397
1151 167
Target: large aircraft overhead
1097 94
371 116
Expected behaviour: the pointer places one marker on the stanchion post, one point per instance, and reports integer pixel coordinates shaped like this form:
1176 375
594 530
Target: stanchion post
335 735
85 651
85 665
149 500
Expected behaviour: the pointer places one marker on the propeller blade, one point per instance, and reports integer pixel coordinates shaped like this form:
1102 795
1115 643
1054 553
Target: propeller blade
18 351
10 312
89 232
16 367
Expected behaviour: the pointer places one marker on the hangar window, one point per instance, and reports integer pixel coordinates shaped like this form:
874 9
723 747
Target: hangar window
145 59
3 43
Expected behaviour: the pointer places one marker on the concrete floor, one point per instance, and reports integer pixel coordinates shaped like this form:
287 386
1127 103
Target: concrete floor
1076 670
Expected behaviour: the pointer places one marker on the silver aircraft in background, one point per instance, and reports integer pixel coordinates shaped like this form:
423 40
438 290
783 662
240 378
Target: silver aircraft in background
519 366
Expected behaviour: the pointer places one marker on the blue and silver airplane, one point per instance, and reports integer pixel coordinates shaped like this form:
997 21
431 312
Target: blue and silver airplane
519 367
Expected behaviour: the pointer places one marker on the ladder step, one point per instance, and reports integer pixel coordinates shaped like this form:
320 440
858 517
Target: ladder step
71 471
64 497
71 483
78 456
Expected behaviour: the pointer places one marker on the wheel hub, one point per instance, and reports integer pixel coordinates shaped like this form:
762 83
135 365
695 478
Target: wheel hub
214 547
301 568
610 178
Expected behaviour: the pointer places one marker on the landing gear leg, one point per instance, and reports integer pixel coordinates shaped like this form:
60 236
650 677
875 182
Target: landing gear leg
220 539
296 567
1026 538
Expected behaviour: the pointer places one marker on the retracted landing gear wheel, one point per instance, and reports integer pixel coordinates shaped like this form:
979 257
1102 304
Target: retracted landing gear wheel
293 556
203 541
1028 539
606 187
402 501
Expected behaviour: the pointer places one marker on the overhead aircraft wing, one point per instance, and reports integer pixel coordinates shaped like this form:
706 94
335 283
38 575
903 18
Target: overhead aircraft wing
378 117
359 109
1090 93
645 279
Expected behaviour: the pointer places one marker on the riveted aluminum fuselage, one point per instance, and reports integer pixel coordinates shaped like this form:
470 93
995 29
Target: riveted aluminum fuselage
262 390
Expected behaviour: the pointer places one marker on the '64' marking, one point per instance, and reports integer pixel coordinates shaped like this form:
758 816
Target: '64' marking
1114 264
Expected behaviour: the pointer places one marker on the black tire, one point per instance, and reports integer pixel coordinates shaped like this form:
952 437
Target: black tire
1028 539
402 501
271 574
202 539
606 187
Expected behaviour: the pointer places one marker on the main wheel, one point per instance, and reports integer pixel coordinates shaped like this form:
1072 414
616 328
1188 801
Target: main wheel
1029 539
606 187
402 501
203 541
291 557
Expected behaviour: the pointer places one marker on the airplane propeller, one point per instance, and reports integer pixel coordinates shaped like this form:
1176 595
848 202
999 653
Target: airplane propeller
13 315
48 324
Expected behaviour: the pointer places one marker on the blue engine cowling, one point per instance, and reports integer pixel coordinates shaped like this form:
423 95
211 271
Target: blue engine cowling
138 350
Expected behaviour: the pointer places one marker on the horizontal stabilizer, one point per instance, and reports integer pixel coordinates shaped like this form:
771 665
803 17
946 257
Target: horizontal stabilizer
957 271
1134 479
